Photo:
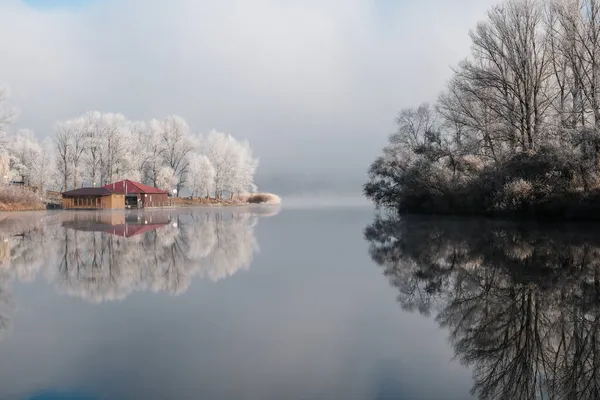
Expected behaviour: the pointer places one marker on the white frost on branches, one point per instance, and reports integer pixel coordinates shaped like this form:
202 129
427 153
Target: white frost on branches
201 175
166 179
98 148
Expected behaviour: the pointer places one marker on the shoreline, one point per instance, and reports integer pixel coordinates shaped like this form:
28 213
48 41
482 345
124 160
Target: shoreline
176 202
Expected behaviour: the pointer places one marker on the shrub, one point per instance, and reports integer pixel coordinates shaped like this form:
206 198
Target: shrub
18 198
263 198
515 196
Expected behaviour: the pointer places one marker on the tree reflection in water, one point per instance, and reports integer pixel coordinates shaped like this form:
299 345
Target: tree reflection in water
522 304
103 256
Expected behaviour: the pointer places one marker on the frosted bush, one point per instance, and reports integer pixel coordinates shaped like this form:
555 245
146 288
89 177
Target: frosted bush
515 194
10 194
473 162
519 189
259 198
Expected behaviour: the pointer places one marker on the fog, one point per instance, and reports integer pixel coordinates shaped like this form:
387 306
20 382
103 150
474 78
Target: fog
314 85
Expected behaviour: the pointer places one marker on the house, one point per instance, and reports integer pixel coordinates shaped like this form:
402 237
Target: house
122 194
138 195
92 198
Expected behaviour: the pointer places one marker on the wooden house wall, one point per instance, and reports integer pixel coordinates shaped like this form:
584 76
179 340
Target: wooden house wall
114 201
155 200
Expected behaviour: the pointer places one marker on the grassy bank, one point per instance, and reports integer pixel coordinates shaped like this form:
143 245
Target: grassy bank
237 200
14 198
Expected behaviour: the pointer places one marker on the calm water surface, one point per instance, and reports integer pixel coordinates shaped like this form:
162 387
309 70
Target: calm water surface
262 303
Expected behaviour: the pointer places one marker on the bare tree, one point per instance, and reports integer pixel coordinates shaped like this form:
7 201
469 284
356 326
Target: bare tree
510 71
62 145
176 145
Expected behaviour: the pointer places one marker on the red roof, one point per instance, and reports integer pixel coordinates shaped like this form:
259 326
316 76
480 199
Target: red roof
89 191
128 186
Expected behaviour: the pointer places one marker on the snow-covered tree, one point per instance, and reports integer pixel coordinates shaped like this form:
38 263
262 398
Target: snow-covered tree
99 148
5 174
175 144
116 148
62 146
233 163
153 153
6 114
140 150
92 157
24 150
42 168
245 167
166 179
201 175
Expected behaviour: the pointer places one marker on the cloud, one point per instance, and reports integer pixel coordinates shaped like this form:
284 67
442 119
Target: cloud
314 85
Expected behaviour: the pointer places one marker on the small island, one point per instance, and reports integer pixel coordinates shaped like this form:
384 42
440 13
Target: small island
105 161
516 132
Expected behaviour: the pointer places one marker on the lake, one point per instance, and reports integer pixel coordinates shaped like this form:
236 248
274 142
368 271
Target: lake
295 303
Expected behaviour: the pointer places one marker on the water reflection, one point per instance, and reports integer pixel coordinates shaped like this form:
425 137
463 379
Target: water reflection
521 304
106 256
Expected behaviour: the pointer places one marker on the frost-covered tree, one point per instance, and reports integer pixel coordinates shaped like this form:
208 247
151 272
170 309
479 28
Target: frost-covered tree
140 150
233 163
175 145
166 179
116 148
517 130
70 143
62 146
5 174
99 148
92 157
42 169
6 115
25 151
153 151
201 175
246 164
218 147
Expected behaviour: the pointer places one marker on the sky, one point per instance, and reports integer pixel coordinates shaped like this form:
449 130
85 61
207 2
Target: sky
314 85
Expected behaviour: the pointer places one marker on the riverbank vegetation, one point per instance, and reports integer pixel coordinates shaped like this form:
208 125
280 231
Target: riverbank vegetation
97 148
14 198
517 129
235 200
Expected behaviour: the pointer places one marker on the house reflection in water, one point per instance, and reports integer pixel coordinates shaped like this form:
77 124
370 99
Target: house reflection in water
123 224
106 255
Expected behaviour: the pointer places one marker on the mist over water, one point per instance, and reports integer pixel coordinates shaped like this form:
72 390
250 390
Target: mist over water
325 199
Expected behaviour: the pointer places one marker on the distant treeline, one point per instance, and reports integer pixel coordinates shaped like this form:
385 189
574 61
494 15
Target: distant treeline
97 148
517 130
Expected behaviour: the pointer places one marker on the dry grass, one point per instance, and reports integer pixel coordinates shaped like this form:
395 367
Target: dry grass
201 201
250 198
14 198
258 198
